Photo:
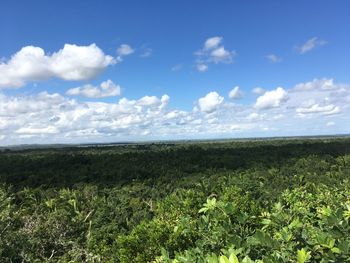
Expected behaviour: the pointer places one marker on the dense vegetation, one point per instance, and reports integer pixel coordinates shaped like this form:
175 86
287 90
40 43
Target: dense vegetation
254 201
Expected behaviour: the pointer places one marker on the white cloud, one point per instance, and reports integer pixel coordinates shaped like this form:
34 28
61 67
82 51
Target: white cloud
221 55
70 63
210 102
271 99
258 90
235 93
125 50
148 101
254 116
310 45
273 58
53 118
316 108
323 84
213 51
11 107
106 89
202 67
37 130
212 42
164 100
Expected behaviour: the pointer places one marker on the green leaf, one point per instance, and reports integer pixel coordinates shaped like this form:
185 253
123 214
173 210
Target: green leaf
212 259
247 260
303 256
224 259
336 250
233 258
203 210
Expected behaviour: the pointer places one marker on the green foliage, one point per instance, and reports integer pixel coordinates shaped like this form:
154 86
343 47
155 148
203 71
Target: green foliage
235 202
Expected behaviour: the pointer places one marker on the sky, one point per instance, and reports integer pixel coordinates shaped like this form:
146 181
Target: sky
111 71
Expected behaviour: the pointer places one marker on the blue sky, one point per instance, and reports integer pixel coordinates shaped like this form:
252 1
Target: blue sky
193 53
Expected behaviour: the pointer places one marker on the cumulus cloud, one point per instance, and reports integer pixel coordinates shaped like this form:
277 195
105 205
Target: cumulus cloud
310 45
106 89
52 115
272 99
213 51
322 84
14 106
72 62
125 50
154 101
212 43
273 58
235 93
221 55
210 102
320 98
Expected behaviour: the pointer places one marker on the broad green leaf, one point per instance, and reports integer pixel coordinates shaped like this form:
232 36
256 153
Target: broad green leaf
224 259
303 256
336 250
233 258
212 259
247 259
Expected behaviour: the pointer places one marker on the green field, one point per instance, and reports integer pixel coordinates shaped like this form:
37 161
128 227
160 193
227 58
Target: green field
232 201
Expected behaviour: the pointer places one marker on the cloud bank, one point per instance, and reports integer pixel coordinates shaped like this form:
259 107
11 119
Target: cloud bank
314 107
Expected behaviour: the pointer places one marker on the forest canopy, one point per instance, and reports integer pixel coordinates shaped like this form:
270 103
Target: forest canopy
232 201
